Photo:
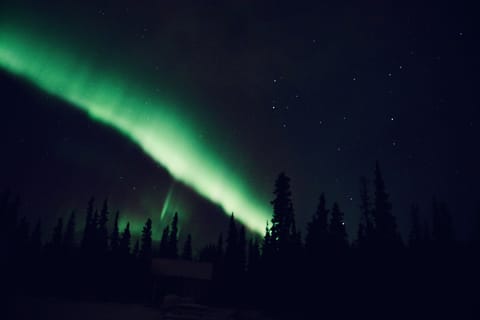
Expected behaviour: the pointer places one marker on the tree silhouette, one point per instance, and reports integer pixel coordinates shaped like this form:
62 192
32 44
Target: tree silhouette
385 225
365 227
442 225
96 243
242 247
89 230
36 239
267 247
283 216
231 256
338 233
115 237
22 236
173 238
125 241
102 232
208 254
415 236
69 236
136 249
146 248
164 247
220 245
187 248
317 229
253 257
57 235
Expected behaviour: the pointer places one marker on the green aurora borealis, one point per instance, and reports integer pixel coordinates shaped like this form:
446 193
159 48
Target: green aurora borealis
166 134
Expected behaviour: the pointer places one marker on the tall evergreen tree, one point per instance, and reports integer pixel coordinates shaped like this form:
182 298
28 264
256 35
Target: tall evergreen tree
115 237
125 241
253 257
69 236
22 236
231 253
164 248
57 235
89 229
317 229
96 247
242 247
415 235
283 215
146 248
385 224
267 247
102 232
173 239
136 249
338 232
36 239
365 232
187 248
220 246
442 226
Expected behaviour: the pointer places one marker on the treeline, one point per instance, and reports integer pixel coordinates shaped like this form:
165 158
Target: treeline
322 273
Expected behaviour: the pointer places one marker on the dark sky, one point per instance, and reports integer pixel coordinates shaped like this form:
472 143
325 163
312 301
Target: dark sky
320 91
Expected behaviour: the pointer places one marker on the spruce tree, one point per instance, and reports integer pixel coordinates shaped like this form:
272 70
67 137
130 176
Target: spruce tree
96 247
36 239
283 215
88 231
267 247
242 247
317 229
442 226
136 250
57 235
146 248
22 236
115 237
415 235
231 250
102 232
220 246
385 225
338 233
187 248
365 232
253 257
125 241
69 236
164 248
173 239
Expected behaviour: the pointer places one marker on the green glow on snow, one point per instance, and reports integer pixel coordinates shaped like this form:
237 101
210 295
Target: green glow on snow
166 134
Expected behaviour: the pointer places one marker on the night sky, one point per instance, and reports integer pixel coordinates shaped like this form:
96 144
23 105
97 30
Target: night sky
122 98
